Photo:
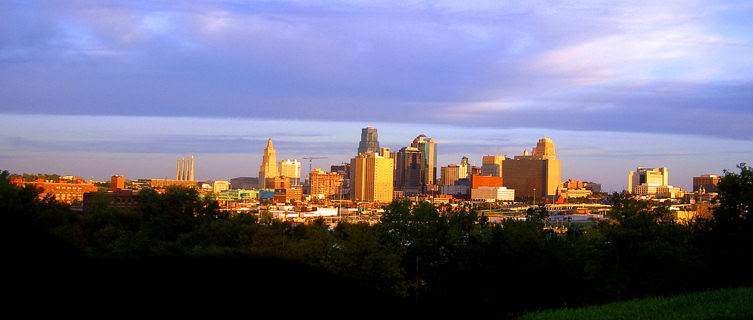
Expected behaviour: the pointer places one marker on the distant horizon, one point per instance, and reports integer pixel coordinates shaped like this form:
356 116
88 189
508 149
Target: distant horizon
147 147
97 88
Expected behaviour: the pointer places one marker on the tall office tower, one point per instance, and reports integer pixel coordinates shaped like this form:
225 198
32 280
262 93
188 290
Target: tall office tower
371 177
185 169
454 172
117 183
536 174
408 170
652 177
492 166
268 168
369 141
343 169
544 149
449 174
326 185
428 158
465 168
291 169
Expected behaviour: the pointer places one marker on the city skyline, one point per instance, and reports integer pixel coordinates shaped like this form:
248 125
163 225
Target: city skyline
234 150
96 89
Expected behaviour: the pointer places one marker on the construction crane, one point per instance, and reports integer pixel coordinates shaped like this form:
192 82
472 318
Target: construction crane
312 158
304 180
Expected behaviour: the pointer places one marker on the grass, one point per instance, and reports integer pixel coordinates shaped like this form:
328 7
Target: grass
716 304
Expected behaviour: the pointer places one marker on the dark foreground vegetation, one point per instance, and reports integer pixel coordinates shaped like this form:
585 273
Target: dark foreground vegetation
178 246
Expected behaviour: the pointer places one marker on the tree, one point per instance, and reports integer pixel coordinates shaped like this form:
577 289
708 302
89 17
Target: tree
730 239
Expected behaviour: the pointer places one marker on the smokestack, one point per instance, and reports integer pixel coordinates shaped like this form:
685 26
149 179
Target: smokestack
191 174
182 169
177 171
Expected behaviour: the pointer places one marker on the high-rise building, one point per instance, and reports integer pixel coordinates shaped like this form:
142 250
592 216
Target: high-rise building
465 168
408 170
369 141
707 182
534 175
371 177
492 166
343 169
291 169
652 177
454 172
325 185
428 150
268 168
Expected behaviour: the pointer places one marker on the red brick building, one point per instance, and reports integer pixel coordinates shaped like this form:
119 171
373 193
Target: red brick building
485 181
326 184
285 195
124 198
67 191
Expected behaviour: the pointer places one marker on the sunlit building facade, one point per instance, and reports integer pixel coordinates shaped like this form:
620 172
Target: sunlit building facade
268 168
325 184
372 177
535 174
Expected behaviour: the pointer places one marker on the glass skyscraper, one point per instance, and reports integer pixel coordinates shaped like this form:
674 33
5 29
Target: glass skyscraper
428 158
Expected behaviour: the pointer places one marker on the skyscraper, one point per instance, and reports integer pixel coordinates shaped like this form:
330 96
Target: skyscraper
408 170
372 175
492 166
268 168
454 172
291 169
428 158
369 141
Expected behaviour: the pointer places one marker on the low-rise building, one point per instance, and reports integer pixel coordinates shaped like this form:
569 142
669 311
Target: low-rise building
66 191
122 198
493 194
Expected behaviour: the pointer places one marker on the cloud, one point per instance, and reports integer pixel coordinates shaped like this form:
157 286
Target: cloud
585 65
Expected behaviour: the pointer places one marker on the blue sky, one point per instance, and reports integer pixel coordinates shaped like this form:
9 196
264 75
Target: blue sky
97 87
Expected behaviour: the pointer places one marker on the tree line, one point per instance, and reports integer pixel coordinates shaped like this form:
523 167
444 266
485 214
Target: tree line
416 255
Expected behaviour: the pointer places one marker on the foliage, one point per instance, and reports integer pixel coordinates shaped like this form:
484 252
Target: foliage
441 259
731 228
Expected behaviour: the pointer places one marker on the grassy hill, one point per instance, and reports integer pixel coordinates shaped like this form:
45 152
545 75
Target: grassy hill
717 304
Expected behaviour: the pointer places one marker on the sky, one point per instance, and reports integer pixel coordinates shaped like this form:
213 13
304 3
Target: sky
95 88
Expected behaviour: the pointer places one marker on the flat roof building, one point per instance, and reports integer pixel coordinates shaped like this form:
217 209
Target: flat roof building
371 177
536 174
652 177
707 182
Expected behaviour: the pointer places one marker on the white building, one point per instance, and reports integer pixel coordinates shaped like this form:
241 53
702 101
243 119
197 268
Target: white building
493 194
290 169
